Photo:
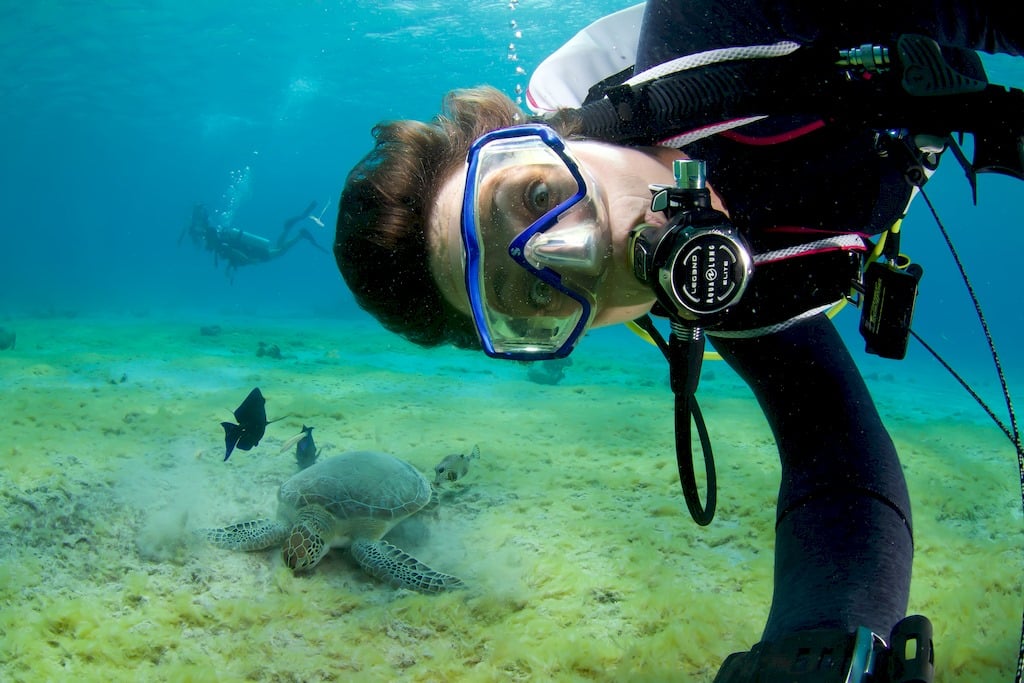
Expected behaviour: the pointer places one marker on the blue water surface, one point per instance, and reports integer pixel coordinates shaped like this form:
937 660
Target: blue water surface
119 116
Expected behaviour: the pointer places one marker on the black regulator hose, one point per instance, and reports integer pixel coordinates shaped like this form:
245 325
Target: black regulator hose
685 356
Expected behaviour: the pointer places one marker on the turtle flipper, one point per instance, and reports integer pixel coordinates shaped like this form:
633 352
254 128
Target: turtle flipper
400 569
256 534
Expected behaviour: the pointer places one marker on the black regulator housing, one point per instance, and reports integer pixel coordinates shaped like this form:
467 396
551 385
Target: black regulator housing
698 264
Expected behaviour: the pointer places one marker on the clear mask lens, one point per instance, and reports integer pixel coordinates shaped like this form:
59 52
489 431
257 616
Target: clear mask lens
536 243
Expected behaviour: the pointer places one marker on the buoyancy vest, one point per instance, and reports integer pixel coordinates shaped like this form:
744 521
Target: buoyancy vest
786 178
604 49
602 55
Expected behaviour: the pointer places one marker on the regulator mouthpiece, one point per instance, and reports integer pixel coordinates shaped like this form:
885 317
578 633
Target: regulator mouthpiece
576 248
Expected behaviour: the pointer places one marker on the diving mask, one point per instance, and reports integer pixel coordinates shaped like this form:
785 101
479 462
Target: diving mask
536 243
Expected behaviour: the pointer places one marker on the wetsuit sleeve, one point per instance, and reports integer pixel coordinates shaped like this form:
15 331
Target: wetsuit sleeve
672 28
844 546
843 543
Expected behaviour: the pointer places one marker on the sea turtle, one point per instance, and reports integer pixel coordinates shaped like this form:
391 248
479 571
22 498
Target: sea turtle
351 500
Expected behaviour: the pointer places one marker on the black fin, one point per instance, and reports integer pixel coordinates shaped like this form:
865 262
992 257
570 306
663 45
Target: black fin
231 434
252 424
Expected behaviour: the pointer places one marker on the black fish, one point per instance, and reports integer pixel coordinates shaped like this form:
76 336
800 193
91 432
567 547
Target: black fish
252 423
306 451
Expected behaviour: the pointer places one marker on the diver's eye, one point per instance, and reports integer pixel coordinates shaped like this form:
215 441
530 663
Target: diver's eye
538 197
541 294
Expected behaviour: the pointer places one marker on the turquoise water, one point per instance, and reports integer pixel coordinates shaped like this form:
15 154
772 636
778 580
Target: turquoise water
117 117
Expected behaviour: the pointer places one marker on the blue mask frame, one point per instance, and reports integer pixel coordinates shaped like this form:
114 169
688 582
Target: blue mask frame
473 251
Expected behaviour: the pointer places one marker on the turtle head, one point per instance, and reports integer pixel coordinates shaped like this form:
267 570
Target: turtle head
305 545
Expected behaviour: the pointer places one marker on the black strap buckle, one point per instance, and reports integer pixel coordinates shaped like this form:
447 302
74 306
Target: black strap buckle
836 656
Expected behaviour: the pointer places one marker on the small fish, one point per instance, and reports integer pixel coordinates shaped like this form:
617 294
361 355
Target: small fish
252 424
306 451
454 466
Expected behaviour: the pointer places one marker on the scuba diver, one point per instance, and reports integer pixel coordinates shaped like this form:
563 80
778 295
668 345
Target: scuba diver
745 173
239 248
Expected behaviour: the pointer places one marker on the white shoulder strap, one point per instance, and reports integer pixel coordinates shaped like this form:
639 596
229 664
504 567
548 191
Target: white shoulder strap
602 49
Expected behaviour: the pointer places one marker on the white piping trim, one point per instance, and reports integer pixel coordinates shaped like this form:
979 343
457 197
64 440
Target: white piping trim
724 54
687 138
770 329
848 242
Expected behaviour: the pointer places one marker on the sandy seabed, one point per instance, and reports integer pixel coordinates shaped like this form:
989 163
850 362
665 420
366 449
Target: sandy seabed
581 561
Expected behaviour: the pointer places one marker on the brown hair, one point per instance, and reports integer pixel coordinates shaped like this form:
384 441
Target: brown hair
380 244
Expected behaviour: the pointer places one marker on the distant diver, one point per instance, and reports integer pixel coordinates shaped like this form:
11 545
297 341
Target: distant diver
239 248
319 220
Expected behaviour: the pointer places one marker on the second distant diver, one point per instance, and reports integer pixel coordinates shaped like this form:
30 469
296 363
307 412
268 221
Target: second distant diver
239 248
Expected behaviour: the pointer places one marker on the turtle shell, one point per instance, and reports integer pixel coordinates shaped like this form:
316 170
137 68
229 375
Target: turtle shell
358 485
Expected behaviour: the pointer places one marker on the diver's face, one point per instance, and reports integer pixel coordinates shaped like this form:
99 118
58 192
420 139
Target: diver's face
621 175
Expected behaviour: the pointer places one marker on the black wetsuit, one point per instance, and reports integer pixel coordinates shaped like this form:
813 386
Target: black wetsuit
843 534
